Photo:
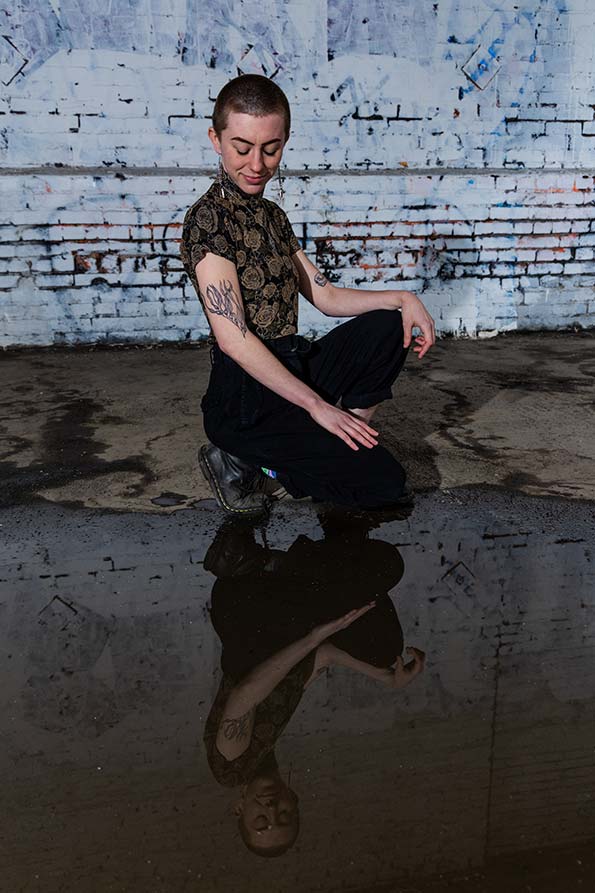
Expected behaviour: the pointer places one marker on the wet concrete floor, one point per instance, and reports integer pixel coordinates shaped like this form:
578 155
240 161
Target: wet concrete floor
120 428
178 701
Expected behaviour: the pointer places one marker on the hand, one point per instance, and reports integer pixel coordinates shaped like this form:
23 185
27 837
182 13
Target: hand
414 316
322 632
400 674
348 427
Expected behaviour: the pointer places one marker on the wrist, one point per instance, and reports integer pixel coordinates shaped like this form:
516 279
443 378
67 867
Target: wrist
400 298
311 402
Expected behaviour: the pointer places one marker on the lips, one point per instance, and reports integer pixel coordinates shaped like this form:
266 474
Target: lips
254 181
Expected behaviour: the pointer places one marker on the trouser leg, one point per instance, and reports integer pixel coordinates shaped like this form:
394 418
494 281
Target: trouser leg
359 360
356 363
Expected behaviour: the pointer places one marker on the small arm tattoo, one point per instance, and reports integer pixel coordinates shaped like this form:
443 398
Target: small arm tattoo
321 280
223 301
236 728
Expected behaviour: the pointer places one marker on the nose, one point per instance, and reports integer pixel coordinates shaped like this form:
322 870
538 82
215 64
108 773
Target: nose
257 165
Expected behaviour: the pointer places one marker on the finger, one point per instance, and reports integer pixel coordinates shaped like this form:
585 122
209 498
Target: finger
430 332
359 422
407 333
411 649
340 433
361 432
423 349
358 612
364 439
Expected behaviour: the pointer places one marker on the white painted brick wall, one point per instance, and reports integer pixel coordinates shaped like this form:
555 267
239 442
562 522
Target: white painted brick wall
410 168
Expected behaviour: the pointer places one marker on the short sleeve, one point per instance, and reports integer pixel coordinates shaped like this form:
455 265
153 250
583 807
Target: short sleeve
206 230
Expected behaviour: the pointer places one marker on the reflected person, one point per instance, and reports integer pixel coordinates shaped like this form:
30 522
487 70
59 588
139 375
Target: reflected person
278 635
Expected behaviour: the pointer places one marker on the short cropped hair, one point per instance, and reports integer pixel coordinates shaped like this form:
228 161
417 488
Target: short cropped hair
250 94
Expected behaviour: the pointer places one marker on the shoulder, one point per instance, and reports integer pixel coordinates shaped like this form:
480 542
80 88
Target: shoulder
207 210
208 227
282 224
274 210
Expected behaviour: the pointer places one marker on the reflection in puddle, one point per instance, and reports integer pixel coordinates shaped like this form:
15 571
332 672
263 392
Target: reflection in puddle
129 642
284 618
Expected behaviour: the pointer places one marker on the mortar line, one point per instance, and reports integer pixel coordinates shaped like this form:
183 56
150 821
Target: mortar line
129 172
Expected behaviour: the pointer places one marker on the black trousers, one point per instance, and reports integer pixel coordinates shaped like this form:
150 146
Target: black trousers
356 364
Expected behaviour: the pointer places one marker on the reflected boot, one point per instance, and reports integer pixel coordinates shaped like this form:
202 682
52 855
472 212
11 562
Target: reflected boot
237 486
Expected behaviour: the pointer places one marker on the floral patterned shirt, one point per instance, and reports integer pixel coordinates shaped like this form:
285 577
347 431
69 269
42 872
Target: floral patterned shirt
272 715
255 235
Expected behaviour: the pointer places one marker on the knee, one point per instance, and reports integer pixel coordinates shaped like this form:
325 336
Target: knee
384 325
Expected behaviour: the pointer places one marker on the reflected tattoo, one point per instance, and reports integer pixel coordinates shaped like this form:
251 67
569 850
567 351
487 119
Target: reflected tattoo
321 280
224 301
236 728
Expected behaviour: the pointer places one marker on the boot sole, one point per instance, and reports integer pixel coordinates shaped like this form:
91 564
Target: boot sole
211 480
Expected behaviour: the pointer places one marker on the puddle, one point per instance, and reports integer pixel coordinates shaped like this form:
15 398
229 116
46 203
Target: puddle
168 499
134 649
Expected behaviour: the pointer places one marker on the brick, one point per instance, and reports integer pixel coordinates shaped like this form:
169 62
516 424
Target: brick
493 226
571 268
52 280
539 269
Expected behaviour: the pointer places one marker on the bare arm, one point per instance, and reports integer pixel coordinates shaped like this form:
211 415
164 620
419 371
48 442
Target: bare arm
335 301
235 729
237 721
220 289
397 676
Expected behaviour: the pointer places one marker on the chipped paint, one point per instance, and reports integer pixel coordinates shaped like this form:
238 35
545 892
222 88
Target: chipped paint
379 96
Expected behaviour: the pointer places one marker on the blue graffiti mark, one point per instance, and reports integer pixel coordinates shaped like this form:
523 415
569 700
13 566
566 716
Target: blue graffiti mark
471 182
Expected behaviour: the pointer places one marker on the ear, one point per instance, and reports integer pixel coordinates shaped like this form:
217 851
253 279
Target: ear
238 808
215 140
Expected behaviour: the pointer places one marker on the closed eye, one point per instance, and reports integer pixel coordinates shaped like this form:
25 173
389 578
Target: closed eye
270 154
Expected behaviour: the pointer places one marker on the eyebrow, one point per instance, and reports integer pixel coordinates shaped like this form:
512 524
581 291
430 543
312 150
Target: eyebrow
248 143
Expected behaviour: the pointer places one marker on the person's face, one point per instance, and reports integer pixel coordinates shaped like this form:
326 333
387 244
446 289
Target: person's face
269 811
250 148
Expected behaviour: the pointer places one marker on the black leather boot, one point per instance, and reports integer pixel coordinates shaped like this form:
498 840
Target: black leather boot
237 486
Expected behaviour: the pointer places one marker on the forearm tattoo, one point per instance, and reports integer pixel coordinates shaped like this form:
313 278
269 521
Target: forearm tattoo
223 301
236 728
321 280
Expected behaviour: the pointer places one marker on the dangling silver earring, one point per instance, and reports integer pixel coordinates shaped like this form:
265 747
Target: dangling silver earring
280 185
220 177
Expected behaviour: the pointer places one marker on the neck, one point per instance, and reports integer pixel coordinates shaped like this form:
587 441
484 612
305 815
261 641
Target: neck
231 188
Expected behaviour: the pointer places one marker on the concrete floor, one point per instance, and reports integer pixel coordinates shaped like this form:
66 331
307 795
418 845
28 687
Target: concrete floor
476 778
118 429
